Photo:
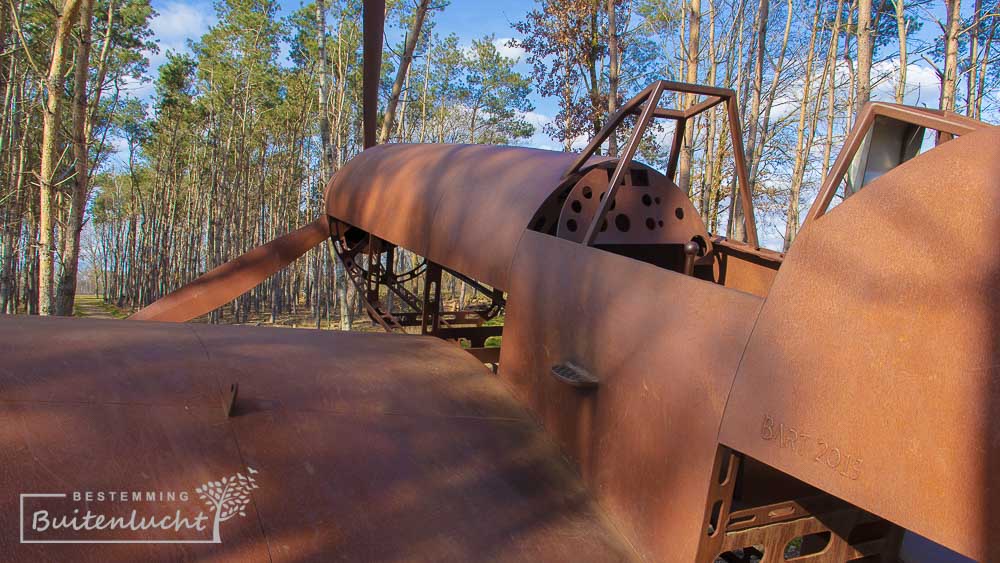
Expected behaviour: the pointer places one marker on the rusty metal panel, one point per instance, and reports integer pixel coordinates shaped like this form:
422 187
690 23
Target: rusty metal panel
368 446
874 369
648 209
419 488
63 447
355 373
663 348
92 360
740 266
462 206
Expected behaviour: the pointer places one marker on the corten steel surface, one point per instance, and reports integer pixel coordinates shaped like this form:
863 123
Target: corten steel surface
462 206
649 209
64 446
663 348
421 456
739 266
628 151
234 278
873 369
829 542
82 361
774 517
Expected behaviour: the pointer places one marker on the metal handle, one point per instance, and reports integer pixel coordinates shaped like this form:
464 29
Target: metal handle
574 376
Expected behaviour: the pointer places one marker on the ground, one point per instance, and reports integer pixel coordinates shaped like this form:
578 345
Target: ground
94 307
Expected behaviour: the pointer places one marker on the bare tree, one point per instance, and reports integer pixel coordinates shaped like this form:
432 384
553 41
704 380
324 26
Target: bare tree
412 36
736 229
831 100
901 27
691 75
950 73
803 142
949 76
865 46
973 66
326 160
977 100
614 72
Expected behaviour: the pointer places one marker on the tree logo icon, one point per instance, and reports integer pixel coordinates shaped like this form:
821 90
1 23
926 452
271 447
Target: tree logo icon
228 497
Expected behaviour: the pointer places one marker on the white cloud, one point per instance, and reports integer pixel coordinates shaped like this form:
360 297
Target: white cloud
923 87
539 140
178 21
536 119
174 24
508 51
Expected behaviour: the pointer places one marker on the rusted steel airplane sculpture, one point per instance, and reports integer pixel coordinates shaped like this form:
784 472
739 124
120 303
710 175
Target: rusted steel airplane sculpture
662 394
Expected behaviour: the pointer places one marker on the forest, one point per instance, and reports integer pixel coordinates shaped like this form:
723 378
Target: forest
129 197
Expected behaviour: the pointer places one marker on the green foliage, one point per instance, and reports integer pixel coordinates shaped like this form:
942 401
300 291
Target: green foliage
175 88
129 32
495 94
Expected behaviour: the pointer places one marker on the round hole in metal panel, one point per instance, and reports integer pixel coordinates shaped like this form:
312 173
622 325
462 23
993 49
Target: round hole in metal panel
622 222
571 225
679 213
650 223
656 200
613 203
601 198
660 222
576 206
647 200
587 192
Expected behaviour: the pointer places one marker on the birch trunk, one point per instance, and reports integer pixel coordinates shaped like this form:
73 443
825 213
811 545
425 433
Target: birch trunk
950 74
903 58
863 75
802 146
613 75
694 39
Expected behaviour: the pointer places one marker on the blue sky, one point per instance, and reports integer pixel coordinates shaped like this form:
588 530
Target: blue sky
179 20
